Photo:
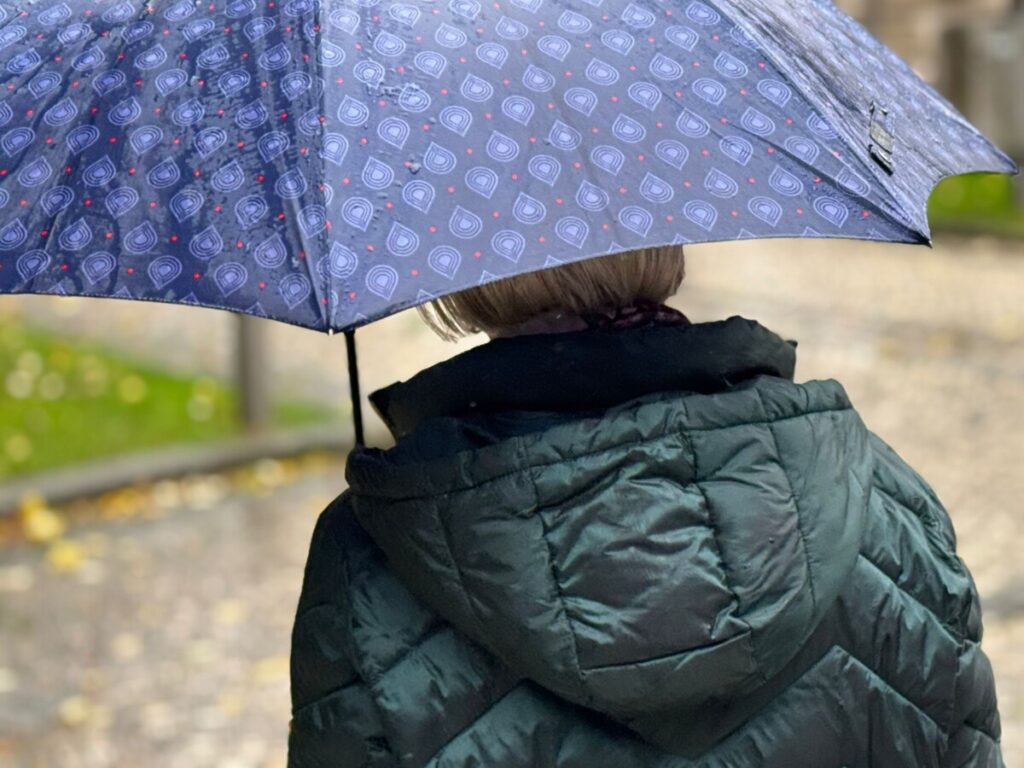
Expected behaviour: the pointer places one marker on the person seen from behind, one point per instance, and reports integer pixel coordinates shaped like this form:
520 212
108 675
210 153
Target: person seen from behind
610 537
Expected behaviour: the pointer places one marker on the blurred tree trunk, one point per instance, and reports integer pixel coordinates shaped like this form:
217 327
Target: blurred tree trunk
873 15
251 374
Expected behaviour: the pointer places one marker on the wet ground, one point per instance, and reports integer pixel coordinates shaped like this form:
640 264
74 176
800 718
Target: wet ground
155 632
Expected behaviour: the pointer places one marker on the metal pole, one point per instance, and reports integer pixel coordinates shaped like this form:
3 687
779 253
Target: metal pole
251 373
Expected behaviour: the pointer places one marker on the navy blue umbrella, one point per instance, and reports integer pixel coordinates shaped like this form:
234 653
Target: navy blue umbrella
328 164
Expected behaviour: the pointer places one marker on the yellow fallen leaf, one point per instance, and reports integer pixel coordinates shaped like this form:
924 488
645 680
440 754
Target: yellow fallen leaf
201 653
121 504
41 524
65 556
157 719
18 448
132 389
126 646
271 669
231 703
166 494
230 612
204 491
1008 328
30 501
73 711
101 717
269 473
8 680
890 348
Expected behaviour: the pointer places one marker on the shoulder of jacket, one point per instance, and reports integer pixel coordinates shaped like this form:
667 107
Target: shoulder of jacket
911 539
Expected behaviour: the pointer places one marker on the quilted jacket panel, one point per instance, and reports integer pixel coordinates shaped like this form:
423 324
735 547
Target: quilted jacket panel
746 577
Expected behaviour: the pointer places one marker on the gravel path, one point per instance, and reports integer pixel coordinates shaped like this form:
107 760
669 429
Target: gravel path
94 672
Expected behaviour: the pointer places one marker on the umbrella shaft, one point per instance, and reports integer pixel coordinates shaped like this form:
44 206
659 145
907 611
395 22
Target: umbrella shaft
353 381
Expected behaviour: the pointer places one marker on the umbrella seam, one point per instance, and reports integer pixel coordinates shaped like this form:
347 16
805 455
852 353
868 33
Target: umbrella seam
326 304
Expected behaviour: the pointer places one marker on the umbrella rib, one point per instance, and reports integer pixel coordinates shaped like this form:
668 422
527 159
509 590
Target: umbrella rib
321 287
327 305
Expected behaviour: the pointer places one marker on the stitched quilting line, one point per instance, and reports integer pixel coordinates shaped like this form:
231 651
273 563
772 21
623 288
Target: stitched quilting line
846 651
713 527
969 721
885 684
898 466
961 648
953 634
931 524
354 654
439 753
806 678
417 644
453 564
796 503
926 517
300 617
937 548
890 687
604 449
557 588
676 655
969 727
329 696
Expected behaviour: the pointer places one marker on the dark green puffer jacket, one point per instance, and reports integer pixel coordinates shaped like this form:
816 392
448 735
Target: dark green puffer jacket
645 547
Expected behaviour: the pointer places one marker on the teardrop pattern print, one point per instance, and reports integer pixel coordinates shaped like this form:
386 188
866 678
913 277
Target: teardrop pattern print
235 154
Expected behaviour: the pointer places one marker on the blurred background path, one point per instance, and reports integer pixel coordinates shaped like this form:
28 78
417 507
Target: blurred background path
154 630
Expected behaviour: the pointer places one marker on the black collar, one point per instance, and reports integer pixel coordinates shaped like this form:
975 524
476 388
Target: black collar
586 370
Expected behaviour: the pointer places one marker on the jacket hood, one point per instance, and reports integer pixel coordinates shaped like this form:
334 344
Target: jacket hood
641 521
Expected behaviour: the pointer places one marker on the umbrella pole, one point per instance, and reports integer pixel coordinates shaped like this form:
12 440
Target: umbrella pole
353 382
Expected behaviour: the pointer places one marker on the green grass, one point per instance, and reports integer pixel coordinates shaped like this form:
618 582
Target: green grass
979 203
63 403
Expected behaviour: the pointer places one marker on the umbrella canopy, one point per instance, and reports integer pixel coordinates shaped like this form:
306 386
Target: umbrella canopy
328 164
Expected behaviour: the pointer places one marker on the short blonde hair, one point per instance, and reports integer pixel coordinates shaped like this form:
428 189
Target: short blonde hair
581 287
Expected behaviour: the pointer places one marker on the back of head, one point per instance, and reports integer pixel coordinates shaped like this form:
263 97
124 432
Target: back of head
580 288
